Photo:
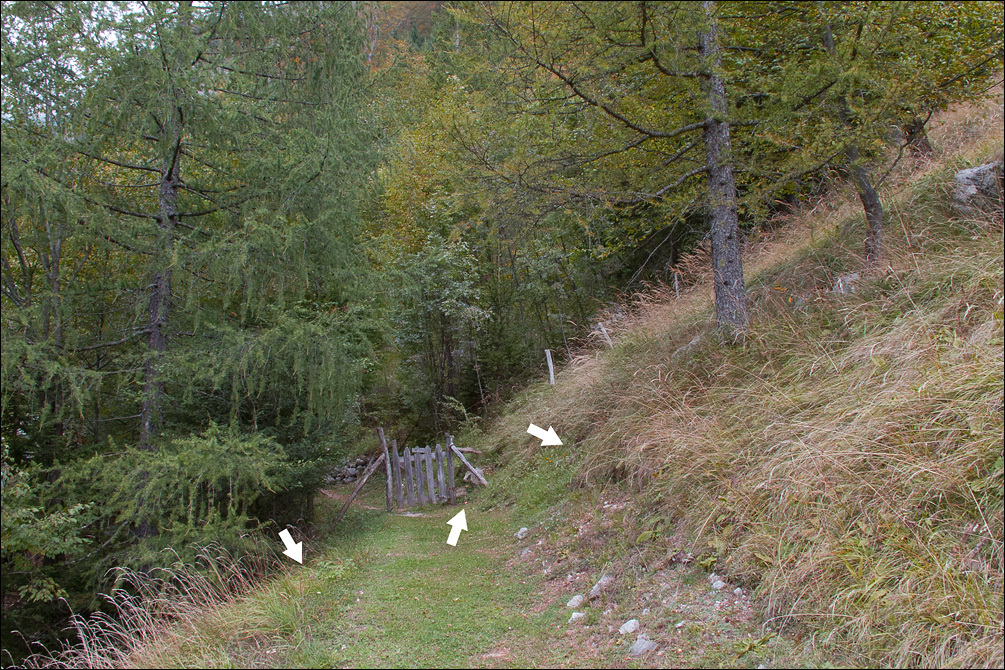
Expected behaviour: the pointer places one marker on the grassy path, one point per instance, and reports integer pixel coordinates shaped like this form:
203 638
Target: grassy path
412 600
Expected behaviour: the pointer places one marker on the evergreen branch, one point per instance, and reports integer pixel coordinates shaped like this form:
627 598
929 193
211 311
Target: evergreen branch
105 345
588 99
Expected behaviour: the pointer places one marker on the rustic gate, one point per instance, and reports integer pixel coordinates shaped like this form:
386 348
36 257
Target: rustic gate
425 475
417 475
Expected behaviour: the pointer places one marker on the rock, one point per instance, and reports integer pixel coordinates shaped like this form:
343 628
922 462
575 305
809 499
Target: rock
718 585
576 616
686 349
522 533
526 553
712 577
845 284
645 612
352 472
470 478
977 185
737 592
629 626
600 586
360 461
642 645
575 601
350 480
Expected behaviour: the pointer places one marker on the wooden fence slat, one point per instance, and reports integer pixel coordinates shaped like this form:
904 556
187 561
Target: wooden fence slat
469 466
409 483
396 474
431 490
366 475
441 480
450 472
387 468
420 478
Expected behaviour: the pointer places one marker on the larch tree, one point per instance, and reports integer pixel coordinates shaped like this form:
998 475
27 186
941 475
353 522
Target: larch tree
182 186
625 103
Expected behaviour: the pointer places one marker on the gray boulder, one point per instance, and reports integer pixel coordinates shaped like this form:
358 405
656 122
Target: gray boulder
976 186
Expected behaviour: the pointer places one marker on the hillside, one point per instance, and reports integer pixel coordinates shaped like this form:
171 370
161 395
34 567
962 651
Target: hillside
839 470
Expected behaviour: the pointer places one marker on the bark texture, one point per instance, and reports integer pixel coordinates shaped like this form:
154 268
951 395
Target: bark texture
731 310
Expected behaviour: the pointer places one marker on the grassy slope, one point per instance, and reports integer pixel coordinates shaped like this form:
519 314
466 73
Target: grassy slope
842 464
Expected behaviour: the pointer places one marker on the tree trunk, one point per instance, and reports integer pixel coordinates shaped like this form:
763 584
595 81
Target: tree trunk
731 311
871 203
917 138
873 207
159 303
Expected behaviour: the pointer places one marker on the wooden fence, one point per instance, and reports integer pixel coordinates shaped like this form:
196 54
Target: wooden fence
417 475
424 475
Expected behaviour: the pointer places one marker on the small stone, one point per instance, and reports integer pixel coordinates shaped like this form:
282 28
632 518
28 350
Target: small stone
712 577
737 592
718 585
600 586
629 626
680 625
575 601
526 553
576 616
522 533
845 284
645 612
642 645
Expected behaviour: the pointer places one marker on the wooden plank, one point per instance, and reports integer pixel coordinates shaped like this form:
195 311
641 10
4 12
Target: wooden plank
431 487
399 499
420 477
409 480
469 466
387 469
366 475
441 480
450 472
551 367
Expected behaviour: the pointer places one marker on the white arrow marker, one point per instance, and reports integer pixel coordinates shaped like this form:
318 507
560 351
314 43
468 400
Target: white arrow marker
294 550
549 438
457 524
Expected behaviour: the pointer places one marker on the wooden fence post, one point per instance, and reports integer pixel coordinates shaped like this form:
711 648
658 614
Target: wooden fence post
409 483
450 471
430 486
551 367
468 465
420 480
396 469
366 476
387 467
441 482
606 336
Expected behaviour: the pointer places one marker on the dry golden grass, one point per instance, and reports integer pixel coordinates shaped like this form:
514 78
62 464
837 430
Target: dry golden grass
154 615
846 458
